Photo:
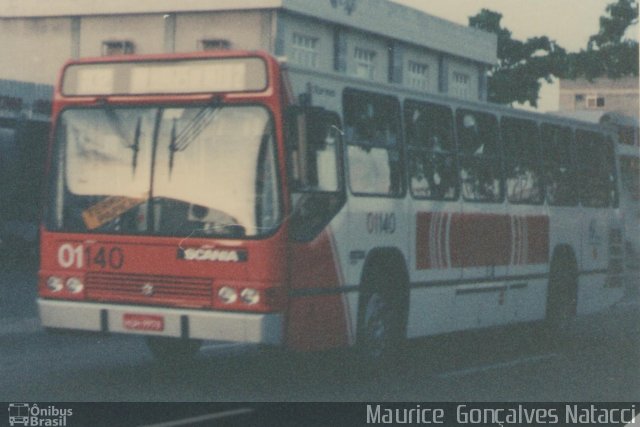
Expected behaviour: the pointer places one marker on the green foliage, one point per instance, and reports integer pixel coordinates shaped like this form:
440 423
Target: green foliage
613 27
608 53
522 64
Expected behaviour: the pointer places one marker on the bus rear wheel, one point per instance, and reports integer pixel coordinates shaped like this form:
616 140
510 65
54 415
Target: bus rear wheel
173 350
561 297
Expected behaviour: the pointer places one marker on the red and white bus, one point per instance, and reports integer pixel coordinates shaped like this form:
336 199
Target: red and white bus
190 198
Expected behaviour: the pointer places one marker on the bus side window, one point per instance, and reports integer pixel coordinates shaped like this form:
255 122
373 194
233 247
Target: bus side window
479 154
372 131
431 151
522 161
596 177
558 165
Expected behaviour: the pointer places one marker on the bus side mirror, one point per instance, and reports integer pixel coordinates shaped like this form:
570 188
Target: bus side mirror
307 126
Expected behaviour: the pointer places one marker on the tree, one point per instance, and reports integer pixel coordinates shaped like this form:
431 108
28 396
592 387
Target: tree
608 53
521 65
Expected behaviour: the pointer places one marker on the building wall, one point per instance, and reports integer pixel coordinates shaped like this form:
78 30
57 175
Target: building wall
244 30
49 42
620 95
290 27
324 34
145 31
34 49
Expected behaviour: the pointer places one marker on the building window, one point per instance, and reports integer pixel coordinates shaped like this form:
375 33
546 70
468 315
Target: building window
579 97
117 47
214 44
304 50
364 63
418 75
460 85
595 101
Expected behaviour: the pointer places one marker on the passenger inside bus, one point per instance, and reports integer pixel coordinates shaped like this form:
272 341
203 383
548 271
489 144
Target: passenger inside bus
480 164
373 148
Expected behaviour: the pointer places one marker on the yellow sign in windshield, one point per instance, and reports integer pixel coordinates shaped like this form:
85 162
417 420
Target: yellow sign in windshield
108 209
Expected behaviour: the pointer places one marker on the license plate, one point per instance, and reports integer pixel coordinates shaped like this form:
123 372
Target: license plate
143 322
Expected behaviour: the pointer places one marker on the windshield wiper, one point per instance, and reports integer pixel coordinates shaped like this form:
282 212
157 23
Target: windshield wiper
136 146
172 146
115 123
180 141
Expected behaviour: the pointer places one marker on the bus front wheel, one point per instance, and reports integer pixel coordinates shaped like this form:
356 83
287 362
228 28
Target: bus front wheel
380 330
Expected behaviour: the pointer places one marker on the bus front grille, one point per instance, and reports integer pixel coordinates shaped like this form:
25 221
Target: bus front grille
149 289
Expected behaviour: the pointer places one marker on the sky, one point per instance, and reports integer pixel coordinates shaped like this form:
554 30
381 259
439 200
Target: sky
568 22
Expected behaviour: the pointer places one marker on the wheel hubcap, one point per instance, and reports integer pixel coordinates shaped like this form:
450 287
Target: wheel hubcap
376 326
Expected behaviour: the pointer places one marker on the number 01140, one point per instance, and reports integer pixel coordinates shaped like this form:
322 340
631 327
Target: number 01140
77 256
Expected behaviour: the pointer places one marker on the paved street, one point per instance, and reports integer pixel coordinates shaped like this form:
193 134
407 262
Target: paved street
600 362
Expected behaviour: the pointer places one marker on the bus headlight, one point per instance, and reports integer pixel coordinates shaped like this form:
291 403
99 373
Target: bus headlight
54 284
74 285
228 295
250 296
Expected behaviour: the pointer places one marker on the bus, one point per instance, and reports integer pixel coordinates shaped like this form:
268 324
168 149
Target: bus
214 196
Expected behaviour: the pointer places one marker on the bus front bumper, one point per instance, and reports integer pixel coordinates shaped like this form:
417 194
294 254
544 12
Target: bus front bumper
160 321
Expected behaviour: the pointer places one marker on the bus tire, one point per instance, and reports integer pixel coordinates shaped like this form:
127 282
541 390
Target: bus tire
173 351
562 296
381 333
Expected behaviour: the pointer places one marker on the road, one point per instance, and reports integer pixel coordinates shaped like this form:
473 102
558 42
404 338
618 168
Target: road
599 361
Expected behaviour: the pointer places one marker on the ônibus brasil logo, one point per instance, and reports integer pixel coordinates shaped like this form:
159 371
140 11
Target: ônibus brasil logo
24 414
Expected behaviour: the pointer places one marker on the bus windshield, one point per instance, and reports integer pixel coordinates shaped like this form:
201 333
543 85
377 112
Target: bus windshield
192 171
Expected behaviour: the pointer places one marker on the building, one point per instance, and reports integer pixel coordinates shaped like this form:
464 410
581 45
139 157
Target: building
372 39
601 95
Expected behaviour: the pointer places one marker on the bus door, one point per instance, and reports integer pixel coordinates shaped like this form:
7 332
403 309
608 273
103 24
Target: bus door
314 158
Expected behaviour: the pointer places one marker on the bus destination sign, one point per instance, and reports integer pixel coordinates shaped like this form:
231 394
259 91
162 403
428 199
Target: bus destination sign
165 77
